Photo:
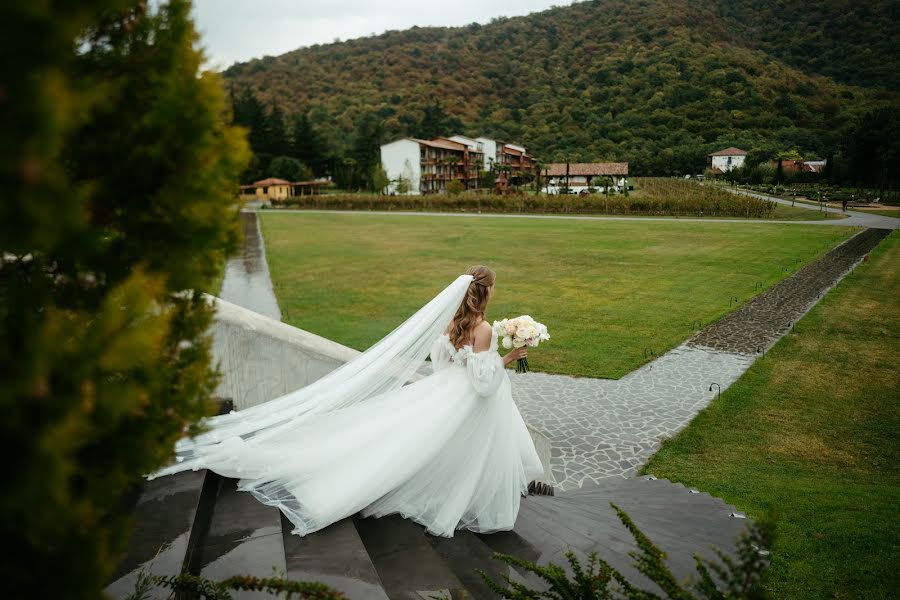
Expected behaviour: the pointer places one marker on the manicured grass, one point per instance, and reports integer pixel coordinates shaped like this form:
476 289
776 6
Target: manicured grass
609 291
809 434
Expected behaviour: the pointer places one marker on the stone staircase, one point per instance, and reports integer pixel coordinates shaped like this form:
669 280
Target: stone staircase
198 522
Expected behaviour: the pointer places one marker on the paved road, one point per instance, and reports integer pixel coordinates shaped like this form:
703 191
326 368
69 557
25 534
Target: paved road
854 218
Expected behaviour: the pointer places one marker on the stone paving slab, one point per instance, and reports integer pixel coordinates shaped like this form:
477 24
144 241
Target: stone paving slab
608 428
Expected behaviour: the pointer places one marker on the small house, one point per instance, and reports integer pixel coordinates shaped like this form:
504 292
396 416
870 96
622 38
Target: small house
578 177
726 160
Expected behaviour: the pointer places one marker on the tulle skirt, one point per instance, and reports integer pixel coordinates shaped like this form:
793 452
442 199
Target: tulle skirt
433 451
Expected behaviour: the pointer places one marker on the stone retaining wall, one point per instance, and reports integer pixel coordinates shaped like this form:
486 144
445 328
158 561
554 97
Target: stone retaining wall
262 359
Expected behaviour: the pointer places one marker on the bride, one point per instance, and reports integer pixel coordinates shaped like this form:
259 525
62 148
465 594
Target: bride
449 450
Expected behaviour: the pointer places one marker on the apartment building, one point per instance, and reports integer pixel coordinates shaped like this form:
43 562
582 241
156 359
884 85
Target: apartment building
416 166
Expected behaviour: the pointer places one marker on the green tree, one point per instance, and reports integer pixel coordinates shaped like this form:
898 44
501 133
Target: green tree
287 167
434 121
366 151
379 179
120 169
307 145
276 137
249 112
455 187
873 148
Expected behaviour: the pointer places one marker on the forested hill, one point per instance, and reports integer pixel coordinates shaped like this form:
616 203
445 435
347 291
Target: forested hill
658 83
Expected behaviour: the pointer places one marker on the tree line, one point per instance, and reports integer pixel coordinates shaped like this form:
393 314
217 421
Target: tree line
290 147
867 158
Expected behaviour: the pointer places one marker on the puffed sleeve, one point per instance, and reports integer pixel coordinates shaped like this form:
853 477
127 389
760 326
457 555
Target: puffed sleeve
440 357
485 371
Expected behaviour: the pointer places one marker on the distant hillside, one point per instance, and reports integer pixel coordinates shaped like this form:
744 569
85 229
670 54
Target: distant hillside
658 83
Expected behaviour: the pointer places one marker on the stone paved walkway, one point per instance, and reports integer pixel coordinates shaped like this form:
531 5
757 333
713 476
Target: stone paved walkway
606 428
602 428
758 324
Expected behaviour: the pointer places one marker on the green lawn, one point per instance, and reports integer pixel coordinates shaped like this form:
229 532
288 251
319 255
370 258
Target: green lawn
809 435
609 291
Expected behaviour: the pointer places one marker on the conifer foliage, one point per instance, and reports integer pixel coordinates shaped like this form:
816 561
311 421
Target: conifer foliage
735 578
119 169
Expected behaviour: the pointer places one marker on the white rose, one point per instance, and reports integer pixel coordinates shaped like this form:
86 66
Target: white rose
507 342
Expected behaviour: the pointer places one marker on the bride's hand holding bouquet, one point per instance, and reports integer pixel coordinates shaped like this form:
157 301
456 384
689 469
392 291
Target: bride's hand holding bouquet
520 333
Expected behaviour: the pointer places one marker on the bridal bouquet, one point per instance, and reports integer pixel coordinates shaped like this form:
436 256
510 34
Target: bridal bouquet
518 332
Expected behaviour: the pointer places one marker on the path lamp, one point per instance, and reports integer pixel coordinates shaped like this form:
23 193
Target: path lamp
718 389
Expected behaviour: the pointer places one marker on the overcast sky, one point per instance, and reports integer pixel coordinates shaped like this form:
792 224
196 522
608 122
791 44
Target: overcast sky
238 30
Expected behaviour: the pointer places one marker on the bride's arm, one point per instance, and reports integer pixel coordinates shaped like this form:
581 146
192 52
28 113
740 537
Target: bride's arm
515 354
440 358
485 367
483 342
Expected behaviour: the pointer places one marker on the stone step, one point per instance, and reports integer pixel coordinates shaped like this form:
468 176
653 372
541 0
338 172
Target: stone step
163 521
696 524
244 537
661 496
335 556
464 553
543 526
638 487
407 564
549 525
512 543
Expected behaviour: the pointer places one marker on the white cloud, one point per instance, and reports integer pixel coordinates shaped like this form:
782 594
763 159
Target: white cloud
238 30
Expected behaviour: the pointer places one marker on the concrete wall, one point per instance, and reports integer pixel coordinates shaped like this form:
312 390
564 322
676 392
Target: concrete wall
490 151
721 162
262 359
402 159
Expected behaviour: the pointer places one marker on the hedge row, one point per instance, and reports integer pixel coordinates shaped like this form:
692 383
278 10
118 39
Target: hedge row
722 204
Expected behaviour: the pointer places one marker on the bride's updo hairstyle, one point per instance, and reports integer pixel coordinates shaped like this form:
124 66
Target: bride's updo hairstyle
472 306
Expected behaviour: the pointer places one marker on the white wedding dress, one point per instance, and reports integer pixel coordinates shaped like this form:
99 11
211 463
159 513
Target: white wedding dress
448 451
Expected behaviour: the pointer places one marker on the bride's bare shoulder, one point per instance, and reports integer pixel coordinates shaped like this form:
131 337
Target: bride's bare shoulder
483 332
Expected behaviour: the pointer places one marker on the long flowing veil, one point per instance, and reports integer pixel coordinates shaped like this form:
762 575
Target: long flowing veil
385 366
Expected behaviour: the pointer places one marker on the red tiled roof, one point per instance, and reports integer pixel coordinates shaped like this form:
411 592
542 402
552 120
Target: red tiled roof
271 181
275 181
729 152
584 169
442 143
